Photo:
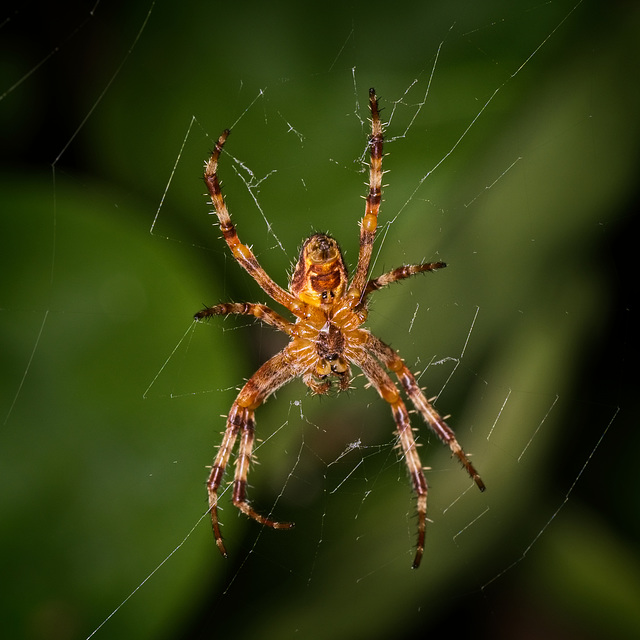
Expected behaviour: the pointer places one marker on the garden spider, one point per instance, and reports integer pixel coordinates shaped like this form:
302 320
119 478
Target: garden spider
326 338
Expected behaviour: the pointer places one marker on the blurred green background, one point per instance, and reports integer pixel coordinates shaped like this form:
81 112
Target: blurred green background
111 399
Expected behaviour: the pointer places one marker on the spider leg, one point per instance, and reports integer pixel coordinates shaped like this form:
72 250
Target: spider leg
369 222
235 421
240 422
394 363
401 273
389 392
241 252
259 311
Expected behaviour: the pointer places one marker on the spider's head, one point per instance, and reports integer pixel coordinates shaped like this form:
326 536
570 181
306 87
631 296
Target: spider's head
320 277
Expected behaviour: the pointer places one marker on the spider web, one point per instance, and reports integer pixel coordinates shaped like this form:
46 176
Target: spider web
509 133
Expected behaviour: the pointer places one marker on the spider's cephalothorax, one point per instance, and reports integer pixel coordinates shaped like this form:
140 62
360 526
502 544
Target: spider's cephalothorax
325 339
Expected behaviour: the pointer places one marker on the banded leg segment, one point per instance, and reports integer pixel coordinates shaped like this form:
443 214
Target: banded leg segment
389 392
369 222
259 311
401 273
394 363
240 422
241 252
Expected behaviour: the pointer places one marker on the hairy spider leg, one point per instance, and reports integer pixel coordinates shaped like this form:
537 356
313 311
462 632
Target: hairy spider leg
388 391
369 222
258 311
395 363
240 422
241 252
395 275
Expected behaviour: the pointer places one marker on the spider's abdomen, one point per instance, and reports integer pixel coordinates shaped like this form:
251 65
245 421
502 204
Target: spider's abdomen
320 276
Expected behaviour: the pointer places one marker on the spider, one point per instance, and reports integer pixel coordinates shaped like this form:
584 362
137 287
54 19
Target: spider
326 338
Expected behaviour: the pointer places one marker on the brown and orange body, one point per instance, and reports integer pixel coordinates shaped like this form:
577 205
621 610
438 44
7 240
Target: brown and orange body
326 338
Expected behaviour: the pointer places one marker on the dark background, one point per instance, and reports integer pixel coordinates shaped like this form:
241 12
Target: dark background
103 472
